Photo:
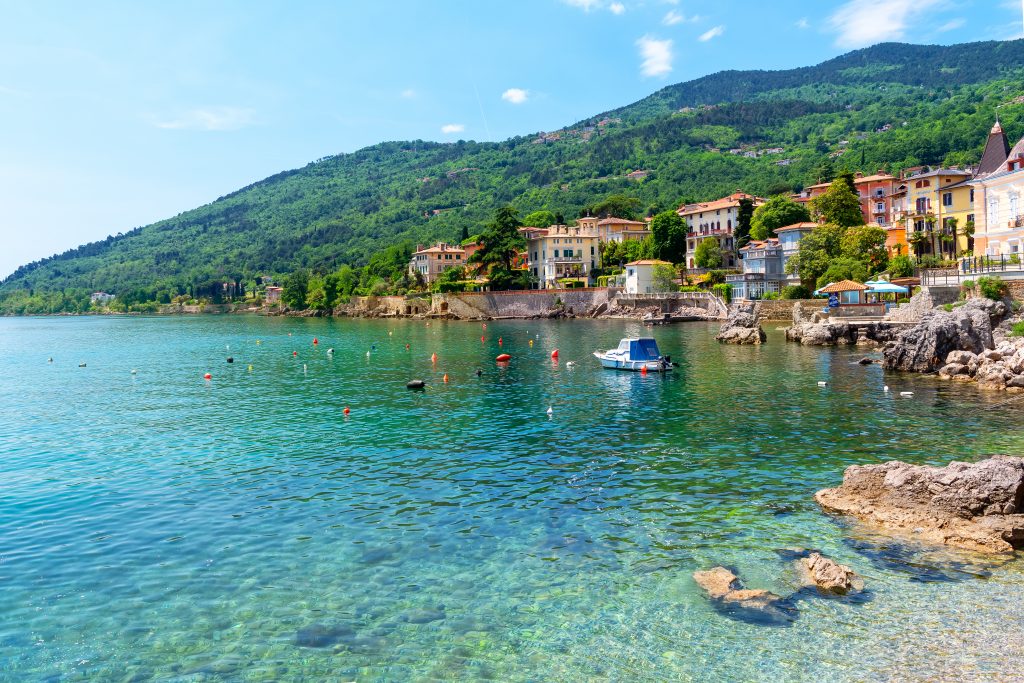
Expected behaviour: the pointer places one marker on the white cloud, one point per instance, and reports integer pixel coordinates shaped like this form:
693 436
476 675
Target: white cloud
515 95
408 94
450 128
711 33
803 23
585 5
657 56
210 118
860 23
672 18
617 8
952 25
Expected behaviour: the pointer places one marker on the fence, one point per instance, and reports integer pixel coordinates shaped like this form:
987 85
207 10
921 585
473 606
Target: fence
970 267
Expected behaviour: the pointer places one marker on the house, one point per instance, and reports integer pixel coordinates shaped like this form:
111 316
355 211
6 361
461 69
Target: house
764 263
714 220
640 276
938 203
431 262
637 175
561 252
874 192
998 184
273 294
100 298
614 229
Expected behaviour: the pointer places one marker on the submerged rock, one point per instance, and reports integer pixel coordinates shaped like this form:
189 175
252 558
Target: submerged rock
753 605
742 326
322 635
828 575
973 506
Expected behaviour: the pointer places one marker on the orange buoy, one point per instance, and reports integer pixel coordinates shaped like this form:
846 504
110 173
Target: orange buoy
503 358
433 358
482 340
554 354
207 376
445 378
406 347
346 411
643 370
315 342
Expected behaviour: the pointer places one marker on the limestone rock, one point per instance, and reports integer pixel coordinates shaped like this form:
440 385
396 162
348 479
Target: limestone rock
952 370
742 326
828 575
926 346
755 605
960 357
974 506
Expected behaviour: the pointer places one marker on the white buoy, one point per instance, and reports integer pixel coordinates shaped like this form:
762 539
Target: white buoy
49 360
134 371
571 364
886 388
303 368
550 410
822 384
330 352
367 354
906 393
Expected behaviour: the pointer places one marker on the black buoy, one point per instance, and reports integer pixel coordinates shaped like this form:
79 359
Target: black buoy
415 384
479 373
231 359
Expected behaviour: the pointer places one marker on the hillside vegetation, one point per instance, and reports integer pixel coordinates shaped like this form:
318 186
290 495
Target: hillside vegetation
890 106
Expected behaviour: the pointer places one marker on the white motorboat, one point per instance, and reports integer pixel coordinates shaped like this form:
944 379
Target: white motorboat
635 354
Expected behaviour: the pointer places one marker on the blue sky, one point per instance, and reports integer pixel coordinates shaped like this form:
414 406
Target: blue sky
114 115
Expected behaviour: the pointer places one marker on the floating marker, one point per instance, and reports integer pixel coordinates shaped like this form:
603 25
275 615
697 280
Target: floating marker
554 354
485 326
531 342
445 378
390 333
295 353
479 372
571 364
906 393
315 341
303 368
330 352
550 411
367 354
50 360
134 371
231 359
482 340
503 358
499 341
207 376
81 365
886 388
258 342
822 384
433 358
643 370
346 411
250 368
406 347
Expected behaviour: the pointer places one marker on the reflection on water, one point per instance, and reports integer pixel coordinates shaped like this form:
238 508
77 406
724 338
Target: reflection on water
161 526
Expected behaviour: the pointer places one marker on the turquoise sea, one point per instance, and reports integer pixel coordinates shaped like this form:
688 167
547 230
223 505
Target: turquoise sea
158 526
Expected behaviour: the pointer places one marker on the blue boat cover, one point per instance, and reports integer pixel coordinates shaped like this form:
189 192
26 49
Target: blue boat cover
643 349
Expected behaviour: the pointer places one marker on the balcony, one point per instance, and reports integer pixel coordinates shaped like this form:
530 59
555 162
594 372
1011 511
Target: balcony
1017 222
723 232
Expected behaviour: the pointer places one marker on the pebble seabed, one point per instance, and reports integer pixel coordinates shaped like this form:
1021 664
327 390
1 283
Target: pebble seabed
159 526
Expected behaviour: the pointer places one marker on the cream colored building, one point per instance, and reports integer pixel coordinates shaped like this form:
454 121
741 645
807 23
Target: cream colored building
714 220
999 197
613 229
561 252
433 261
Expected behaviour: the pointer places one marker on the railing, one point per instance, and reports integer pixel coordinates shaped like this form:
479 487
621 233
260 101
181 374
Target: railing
971 266
857 311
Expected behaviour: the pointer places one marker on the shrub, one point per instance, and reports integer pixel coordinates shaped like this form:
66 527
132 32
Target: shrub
1017 330
992 288
967 284
901 266
715 277
770 296
724 290
690 288
795 292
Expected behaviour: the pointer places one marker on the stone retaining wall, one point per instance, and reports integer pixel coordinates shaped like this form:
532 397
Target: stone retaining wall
782 309
525 304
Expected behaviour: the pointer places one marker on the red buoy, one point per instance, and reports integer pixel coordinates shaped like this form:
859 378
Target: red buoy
482 338
503 358
499 341
295 353
346 411
554 354
315 342
643 370
207 376
445 378
406 347
433 358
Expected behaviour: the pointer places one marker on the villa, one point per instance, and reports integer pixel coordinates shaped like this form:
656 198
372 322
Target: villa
714 220
431 262
561 252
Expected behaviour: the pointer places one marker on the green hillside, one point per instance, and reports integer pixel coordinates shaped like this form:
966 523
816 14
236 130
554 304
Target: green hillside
893 106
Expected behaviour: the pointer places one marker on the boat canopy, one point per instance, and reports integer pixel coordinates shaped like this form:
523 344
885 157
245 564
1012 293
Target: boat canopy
643 349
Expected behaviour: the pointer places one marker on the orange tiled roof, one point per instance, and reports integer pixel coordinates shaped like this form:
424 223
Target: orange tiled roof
797 226
723 203
844 286
649 262
619 221
439 250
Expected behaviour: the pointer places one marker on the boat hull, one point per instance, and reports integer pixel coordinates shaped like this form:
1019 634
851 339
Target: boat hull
612 363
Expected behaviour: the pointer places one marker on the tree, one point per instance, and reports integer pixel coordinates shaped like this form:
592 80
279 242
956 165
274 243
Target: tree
662 278
843 269
500 242
778 212
708 254
465 234
824 172
865 243
744 214
817 250
294 289
839 205
669 233
540 219
901 266
316 294
617 205
450 280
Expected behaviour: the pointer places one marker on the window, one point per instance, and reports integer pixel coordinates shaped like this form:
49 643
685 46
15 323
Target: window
879 207
1014 213
556 253
947 199
921 205
993 211
971 197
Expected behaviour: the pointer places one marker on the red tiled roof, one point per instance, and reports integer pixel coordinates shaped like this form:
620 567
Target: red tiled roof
844 286
723 203
797 226
619 221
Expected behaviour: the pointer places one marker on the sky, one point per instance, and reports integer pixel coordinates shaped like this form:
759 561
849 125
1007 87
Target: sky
118 114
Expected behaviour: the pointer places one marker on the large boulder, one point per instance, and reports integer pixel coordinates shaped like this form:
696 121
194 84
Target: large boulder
974 506
828 575
926 346
742 326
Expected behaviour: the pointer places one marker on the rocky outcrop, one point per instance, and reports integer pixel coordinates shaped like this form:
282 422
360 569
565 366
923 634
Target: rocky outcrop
742 326
810 333
828 575
727 593
973 506
926 346
1000 368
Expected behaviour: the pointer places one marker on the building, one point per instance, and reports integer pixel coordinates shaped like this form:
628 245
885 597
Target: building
100 298
614 229
714 220
433 261
937 205
273 294
640 276
764 263
875 193
561 252
998 186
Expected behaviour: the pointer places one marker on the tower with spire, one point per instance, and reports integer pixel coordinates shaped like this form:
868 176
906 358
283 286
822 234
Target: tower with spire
997 149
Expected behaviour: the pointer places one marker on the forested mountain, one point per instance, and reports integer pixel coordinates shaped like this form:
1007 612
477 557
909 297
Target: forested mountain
890 106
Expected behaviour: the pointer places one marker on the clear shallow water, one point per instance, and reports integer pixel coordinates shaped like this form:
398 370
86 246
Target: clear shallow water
160 527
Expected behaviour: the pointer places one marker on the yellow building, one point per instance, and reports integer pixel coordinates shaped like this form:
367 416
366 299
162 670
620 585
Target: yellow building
935 210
